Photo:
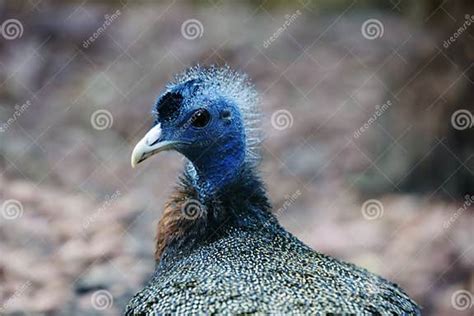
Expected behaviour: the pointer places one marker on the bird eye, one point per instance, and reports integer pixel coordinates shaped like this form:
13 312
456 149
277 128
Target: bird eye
200 118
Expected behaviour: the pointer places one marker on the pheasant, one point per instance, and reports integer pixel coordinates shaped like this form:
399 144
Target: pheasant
219 248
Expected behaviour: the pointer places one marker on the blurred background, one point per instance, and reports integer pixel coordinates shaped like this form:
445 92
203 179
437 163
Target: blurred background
368 154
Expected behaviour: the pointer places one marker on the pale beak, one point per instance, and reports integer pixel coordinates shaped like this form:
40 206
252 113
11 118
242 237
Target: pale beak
149 145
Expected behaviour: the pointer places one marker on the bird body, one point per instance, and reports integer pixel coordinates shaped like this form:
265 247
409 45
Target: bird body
220 250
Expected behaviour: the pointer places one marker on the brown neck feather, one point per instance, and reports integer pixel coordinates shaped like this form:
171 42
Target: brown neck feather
173 224
182 228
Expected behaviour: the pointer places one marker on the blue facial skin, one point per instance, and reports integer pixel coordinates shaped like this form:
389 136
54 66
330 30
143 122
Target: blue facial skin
216 150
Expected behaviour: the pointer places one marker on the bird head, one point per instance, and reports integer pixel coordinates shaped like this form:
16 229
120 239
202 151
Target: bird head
208 115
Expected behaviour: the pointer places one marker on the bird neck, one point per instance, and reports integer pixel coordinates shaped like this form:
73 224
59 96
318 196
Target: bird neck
218 164
191 220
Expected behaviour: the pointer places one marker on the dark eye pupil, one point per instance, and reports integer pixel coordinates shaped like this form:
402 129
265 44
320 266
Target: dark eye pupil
200 118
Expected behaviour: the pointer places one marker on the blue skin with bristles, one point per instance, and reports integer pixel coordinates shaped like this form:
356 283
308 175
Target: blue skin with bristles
217 150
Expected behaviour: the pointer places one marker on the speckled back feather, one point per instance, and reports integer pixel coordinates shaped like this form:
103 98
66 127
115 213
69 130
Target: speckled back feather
244 262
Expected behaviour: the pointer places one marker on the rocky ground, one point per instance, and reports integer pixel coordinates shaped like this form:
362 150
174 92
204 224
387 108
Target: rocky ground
78 237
